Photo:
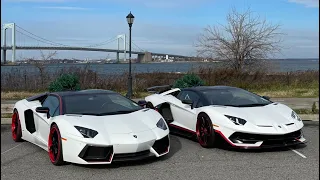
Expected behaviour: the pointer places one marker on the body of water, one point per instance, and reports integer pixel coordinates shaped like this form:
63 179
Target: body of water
278 66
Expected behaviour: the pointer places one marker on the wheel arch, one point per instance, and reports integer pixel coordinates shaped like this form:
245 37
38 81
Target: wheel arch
53 123
217 118
60 126
214 116
21 108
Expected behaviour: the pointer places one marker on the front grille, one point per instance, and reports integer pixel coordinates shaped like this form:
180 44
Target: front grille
161 146
131 156
279 142
253 138
97 154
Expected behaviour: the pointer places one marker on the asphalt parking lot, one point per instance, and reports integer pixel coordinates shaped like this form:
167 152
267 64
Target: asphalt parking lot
187 160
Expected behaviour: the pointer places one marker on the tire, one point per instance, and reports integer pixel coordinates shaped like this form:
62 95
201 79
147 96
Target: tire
205 132
16 127
55 146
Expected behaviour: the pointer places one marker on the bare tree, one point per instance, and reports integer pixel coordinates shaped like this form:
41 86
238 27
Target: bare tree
242 42
40 64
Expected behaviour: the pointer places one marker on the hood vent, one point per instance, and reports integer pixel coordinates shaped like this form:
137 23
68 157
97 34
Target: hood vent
78 115
289 124
265 126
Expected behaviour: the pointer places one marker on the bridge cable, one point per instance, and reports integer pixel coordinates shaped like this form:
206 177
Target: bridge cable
137 46
103 43
54 43
139 49
36 39
40 37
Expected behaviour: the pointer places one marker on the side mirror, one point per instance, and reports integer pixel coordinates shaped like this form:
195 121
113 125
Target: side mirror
266 97
187 101
142 103
43 110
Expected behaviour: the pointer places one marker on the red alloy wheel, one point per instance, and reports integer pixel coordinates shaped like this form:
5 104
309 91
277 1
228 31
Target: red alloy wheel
204 131
16 127
54 146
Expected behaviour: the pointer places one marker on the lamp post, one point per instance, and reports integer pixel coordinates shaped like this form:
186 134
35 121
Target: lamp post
130 19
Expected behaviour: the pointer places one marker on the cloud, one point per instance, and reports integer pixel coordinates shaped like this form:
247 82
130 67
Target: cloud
300 43
171 39
63 7
307 3
87 29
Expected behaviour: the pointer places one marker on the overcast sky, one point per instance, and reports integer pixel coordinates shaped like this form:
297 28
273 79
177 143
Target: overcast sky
166 26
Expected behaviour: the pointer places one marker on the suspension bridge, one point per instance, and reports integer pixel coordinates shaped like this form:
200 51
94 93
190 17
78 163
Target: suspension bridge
19 34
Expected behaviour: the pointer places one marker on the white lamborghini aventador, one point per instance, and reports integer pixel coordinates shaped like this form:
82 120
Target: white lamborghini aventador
90 127
243 119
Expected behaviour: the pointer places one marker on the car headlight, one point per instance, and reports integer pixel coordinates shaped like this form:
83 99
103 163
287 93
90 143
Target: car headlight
87 133
236 120
161 124
295 116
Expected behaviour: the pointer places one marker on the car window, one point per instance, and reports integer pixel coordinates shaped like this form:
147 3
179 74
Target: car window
234 97
99 104
120 101
189 95
52 103
200 104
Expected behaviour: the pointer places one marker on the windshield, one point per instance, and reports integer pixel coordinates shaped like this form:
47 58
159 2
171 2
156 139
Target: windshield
99 104
234 97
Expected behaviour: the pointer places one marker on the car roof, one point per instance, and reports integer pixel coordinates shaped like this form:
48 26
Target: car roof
87 91
205 88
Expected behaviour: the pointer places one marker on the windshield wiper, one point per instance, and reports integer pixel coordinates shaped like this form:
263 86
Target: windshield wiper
77 114
252 105
224 105
118 112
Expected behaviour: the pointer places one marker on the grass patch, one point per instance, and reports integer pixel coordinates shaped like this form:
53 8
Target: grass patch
17 95
289 93
18 84
306 111
6 115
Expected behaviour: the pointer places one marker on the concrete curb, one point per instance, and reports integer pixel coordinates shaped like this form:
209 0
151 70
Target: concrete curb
305 117
5 121
309 117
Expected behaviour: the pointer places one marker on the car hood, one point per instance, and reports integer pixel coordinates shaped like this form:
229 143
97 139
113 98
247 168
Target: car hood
268 115
134 122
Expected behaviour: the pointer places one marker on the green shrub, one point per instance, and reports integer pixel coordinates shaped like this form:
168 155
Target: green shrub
188 80
64 83
314 108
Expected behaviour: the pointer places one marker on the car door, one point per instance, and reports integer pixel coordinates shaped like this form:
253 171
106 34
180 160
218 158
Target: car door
43 121
183 114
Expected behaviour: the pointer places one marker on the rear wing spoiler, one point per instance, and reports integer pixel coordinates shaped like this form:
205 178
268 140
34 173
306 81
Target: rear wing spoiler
38 97
159 89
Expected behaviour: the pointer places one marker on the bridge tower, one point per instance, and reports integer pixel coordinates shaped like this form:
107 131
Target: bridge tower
123 37
11 26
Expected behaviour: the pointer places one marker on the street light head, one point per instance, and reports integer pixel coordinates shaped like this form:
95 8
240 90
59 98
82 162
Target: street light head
130 18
